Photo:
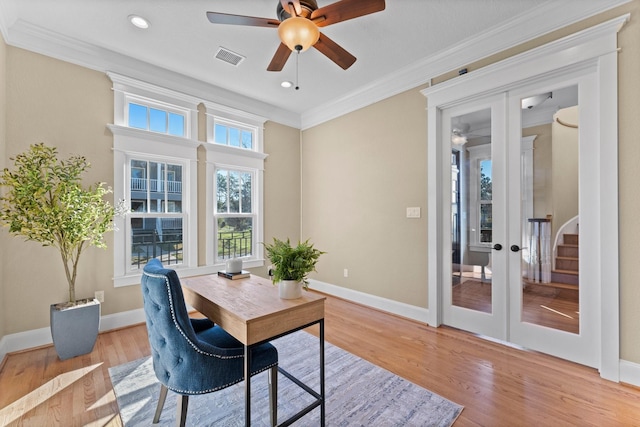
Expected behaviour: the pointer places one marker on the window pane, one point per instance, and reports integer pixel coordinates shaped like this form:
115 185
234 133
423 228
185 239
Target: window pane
246 193
158 120
176 124
234 237
221 191
485 222
234 137
137 116
156 186
247 140
174 188
485 180
156 238
220 134
234 192
138 186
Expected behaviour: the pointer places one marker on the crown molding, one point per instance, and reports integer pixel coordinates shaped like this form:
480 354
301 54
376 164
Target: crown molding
27 36
547 18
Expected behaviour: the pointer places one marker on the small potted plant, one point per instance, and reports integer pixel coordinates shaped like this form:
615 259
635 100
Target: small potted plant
46 202
292 265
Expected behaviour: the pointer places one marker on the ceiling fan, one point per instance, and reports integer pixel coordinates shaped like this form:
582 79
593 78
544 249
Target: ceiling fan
298 22
461 134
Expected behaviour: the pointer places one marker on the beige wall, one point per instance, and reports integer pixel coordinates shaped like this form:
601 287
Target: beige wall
69 106
565 161
3 145
542 181
629 190
361 170
66 106
281 185
360 173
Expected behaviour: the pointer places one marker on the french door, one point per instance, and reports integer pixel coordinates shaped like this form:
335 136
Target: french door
517 166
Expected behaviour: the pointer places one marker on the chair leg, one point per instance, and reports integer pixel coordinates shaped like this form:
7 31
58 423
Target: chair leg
182 404
161 399
273 395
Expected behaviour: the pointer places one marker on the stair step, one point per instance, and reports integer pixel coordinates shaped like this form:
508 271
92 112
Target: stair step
560 271
568 251
567 264
565 276
570 239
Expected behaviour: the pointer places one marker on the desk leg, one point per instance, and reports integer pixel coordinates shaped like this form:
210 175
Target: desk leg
247 386
322 404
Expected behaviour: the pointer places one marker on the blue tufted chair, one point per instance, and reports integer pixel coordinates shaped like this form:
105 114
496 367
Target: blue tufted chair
194 356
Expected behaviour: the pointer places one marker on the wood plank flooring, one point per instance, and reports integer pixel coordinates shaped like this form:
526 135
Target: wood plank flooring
498 385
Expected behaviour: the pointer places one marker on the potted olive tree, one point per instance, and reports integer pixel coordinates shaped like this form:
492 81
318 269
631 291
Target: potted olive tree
291 265
44 201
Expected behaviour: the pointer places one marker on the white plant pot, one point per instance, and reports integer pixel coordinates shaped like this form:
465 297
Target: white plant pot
290 289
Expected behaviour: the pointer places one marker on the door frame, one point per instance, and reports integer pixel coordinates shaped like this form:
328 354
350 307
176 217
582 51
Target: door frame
594 48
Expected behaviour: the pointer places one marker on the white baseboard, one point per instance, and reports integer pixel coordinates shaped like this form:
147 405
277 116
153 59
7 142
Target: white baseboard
401 309
39 337
630 373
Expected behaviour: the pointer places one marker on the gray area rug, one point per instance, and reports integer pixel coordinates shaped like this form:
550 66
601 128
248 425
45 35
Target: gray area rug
358 393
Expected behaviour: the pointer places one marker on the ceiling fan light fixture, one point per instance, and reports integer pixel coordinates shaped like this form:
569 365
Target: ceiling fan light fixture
458 140
298 33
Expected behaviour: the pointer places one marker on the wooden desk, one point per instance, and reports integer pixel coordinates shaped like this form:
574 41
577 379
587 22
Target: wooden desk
251 310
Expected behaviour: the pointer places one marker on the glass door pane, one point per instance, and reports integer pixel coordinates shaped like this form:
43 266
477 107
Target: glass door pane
549 206
471 211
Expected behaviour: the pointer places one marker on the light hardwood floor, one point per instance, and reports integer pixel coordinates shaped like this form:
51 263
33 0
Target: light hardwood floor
498 385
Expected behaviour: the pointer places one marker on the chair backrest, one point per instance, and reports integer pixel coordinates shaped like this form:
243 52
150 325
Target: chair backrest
174 345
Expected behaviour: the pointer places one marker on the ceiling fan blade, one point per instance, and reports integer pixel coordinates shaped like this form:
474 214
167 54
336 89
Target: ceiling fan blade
344 10
297 9
280 58
229 19
334 52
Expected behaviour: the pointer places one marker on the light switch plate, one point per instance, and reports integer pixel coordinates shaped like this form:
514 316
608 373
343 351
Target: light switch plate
413 212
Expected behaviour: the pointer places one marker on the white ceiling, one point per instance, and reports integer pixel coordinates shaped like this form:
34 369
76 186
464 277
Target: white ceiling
404 46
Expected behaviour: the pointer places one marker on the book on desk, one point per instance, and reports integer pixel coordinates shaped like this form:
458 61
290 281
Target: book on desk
234 276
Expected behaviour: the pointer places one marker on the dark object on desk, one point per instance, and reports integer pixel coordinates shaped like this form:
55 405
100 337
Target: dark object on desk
193 356
234 276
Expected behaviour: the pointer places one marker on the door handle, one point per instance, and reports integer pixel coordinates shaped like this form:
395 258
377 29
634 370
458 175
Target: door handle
515 248
497 246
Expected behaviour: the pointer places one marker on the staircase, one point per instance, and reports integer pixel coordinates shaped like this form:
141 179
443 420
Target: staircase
566 271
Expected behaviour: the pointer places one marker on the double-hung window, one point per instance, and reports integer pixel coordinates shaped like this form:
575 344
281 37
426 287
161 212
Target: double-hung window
155 161
234 186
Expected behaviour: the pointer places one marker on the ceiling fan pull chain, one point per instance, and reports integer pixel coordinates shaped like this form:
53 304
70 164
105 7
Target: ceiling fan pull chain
297 58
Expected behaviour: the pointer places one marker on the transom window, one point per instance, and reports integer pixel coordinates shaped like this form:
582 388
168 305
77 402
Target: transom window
156 119
233 135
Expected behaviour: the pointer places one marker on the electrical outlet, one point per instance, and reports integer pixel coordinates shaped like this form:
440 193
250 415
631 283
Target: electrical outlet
99 295
346 272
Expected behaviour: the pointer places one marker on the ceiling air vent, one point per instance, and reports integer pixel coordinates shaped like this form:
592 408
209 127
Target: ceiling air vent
229 57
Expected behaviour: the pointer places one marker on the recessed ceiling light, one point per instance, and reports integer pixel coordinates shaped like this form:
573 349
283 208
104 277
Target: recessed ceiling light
139 21
286 84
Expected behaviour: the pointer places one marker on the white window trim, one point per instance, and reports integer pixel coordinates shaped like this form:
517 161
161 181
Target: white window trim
241 119
234 158
136 143
476 155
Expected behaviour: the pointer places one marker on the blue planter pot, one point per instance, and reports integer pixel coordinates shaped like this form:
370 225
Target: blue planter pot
75 329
